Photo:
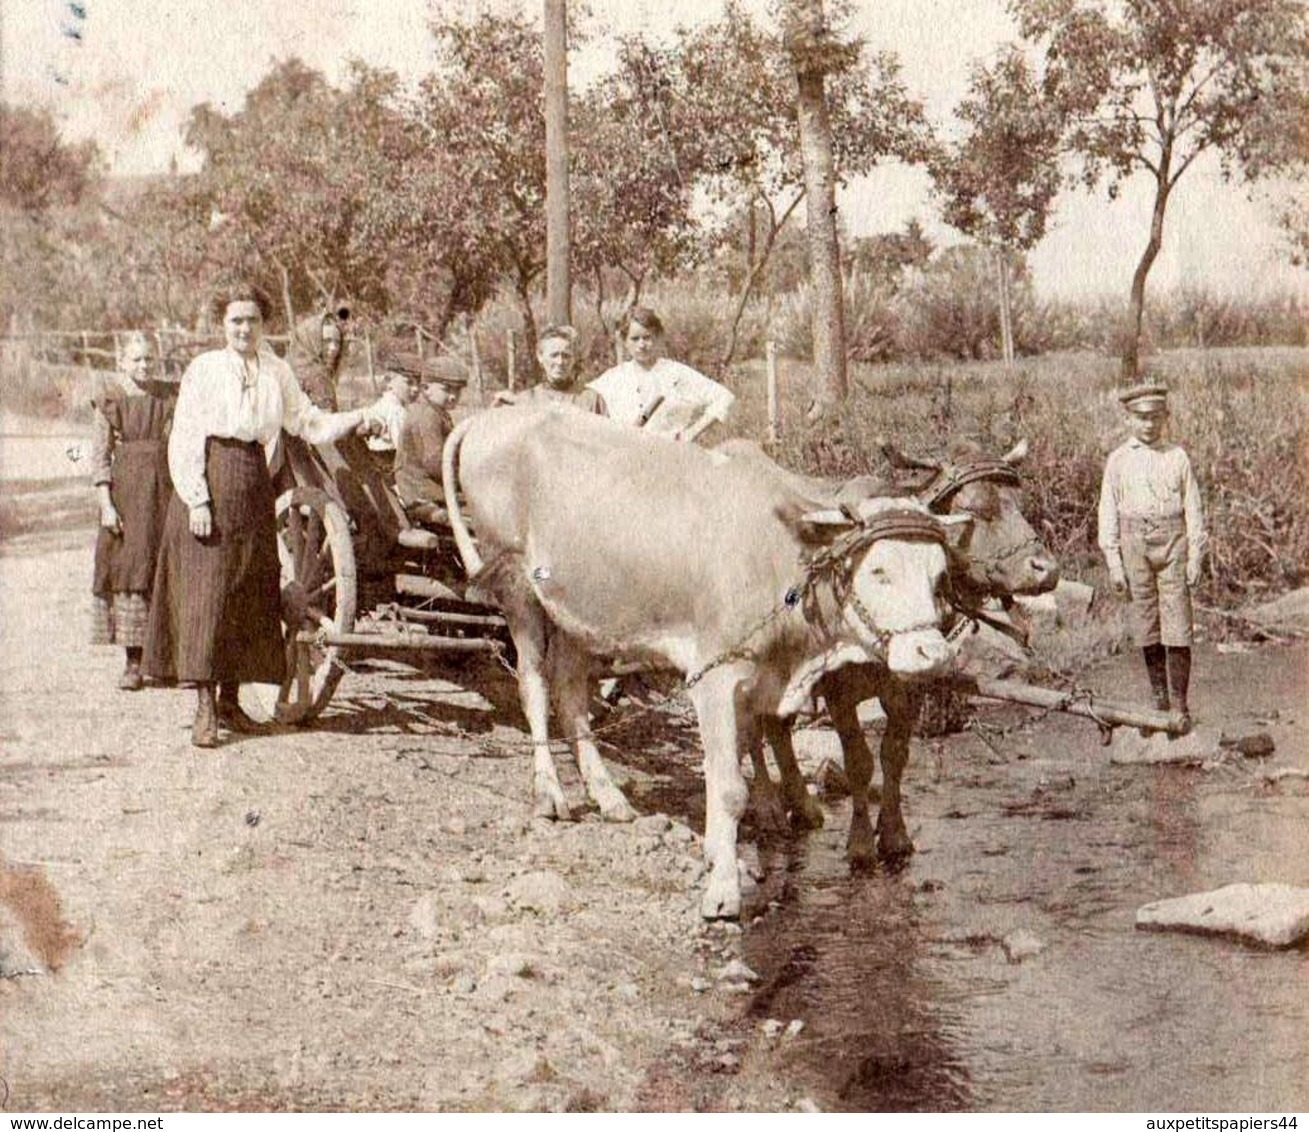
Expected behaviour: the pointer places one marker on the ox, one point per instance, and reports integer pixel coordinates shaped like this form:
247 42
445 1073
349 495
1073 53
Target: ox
598 540
1000 556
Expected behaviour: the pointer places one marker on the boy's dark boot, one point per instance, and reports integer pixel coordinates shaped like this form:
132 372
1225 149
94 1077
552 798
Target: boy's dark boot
230 713
1179 681
1156 667
204 731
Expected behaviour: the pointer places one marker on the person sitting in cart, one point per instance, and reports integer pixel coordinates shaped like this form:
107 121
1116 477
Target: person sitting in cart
390 408
426 424
556 354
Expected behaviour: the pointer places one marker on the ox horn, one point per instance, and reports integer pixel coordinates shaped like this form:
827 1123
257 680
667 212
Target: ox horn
1017 454
902 461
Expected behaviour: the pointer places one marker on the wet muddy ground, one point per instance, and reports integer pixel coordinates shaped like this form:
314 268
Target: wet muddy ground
364 915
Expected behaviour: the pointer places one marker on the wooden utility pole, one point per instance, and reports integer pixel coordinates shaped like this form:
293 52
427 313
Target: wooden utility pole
558 299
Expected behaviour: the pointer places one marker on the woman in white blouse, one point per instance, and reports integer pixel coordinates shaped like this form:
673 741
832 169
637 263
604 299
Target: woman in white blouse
215 620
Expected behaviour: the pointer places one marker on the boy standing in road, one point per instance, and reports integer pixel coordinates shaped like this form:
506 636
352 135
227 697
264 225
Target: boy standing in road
1151 530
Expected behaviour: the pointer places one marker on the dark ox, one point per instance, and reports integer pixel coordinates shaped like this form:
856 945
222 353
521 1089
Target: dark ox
1000 556
599 540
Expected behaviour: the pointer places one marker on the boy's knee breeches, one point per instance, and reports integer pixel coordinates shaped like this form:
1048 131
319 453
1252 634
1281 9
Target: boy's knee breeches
1154 559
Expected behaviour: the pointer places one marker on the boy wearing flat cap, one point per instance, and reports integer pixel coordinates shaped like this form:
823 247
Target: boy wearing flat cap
427 423
1151 530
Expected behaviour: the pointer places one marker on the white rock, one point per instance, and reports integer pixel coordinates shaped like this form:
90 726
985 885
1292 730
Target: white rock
1130 747
1272 914
794 1027
813 746
700 985
512 964
870 711
544 892
652 824
772 1027
737 972
1021 944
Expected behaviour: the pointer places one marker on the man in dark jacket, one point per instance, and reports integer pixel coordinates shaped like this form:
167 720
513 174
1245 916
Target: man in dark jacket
418 449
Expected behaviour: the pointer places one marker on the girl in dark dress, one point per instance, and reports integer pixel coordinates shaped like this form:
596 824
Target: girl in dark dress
130 472
216 618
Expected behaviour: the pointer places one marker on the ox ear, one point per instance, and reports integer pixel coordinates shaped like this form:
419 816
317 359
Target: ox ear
957 529
1017 454
819 528
903 462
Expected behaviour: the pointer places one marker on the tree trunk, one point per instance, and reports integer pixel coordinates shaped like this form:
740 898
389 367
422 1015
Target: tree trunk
1006 309
558 300
820 224
1131 365
747 288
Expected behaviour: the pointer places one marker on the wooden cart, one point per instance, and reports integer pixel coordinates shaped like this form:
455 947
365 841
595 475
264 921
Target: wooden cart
358 578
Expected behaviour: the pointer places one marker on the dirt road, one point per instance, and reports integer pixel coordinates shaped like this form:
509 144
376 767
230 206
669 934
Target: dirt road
365 916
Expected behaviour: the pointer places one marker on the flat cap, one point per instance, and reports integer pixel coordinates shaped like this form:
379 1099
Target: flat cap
1147 397
404 362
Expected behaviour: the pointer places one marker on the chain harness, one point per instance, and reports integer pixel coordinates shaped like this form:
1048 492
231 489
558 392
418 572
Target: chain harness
833 565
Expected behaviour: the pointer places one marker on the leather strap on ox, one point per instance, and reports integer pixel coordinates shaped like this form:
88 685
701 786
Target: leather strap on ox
950 479
837 560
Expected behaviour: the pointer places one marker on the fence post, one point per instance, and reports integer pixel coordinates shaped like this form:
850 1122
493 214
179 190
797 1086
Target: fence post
418 339
470 328
510 360
86 350
774 428
368 360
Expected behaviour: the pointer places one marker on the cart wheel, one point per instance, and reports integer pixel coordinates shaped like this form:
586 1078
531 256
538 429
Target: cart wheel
319 592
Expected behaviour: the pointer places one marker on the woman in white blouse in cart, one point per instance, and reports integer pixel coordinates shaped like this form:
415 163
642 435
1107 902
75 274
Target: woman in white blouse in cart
215 620
656 393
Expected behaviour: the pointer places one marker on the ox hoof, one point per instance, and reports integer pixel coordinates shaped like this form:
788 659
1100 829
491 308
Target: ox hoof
550 805
894 848
769 813
722 898
617 810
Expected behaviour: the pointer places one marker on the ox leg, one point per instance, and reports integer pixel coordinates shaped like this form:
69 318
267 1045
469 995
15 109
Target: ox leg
570 679
765 799
805 811
715 700
527 625
902 706
843 707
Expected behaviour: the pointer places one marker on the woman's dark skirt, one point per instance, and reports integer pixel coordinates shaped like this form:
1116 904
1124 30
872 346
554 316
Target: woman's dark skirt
216 611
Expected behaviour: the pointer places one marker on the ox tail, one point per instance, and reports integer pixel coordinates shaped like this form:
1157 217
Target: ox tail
449 479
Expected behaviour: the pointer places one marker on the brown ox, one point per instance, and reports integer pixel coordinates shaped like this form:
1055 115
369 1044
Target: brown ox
1000 556
598 540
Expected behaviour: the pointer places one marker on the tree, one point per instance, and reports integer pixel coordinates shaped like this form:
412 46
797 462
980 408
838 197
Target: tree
38 169
998 182
288 185
815 53
738 90
483 108
1151 85
635 170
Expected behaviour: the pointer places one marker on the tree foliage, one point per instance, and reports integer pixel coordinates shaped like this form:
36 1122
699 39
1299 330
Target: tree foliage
38 169
1151 85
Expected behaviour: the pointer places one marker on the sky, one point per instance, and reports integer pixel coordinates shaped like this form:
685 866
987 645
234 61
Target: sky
127 72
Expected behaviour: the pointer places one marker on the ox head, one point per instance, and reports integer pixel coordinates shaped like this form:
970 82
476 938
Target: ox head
886 562
999 554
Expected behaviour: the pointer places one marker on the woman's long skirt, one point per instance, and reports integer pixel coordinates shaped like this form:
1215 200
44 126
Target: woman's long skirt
216 611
